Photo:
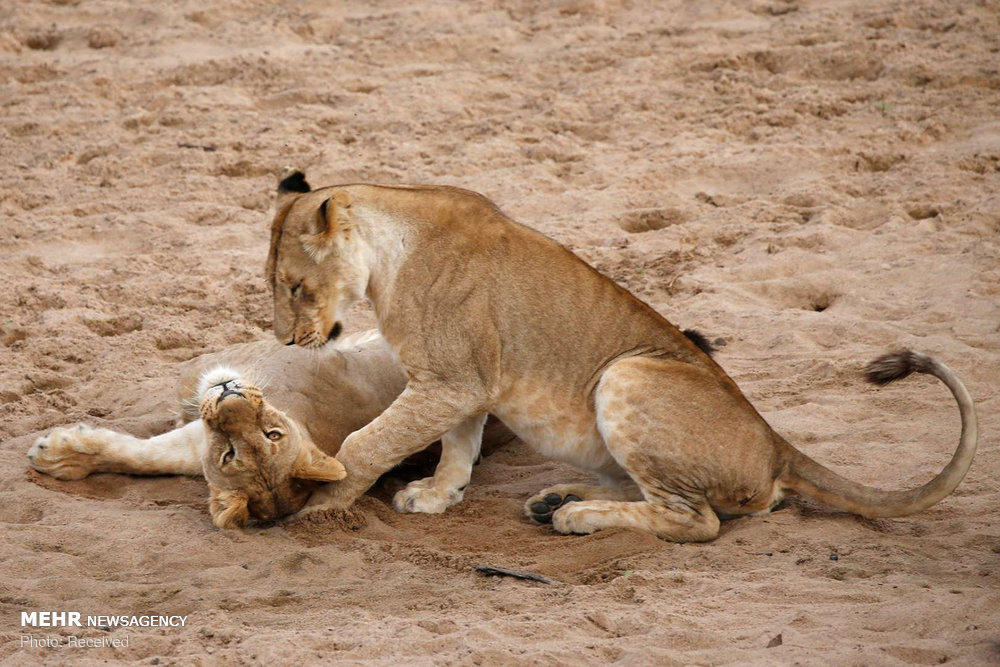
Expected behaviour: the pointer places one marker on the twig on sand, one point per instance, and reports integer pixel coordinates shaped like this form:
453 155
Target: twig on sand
208 148
491 571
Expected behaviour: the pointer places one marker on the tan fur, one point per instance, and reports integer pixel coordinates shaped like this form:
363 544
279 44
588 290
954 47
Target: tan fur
77 451
264 462
487 315
315 399
323 396
229 509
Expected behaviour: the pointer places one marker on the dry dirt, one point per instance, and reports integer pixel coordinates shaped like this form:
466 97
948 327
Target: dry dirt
809 182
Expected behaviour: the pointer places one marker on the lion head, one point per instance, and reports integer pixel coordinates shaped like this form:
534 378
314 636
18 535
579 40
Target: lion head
259 464
315 265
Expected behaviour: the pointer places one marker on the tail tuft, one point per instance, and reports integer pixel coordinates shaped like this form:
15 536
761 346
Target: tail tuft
896 366
821 484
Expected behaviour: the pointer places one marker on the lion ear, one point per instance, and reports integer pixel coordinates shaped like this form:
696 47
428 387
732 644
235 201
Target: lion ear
291 184
316 466
293 180
228 508
333 220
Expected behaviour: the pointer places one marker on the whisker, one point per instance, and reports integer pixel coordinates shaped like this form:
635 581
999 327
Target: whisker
261 379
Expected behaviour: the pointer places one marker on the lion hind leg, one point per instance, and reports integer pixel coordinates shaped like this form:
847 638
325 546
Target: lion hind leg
688 524
686 440
540 507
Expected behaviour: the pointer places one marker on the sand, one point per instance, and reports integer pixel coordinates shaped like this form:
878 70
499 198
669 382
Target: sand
809 183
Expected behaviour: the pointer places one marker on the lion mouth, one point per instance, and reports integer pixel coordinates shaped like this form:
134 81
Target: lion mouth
314 339
228 392
229 388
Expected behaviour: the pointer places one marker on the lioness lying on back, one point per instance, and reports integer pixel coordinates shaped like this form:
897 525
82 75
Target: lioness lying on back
261 458
487 315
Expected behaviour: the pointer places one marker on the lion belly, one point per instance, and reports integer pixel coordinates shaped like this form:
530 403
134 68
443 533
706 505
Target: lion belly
557 425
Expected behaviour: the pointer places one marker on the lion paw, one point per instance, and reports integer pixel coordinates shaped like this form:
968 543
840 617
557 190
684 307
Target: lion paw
68 453
540 508
344 519
326 501
421 496
576 519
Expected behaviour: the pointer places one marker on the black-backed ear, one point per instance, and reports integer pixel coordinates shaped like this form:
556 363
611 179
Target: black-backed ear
333 220
293 180
291 185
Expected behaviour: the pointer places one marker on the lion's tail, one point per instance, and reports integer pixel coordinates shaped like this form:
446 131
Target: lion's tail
810 479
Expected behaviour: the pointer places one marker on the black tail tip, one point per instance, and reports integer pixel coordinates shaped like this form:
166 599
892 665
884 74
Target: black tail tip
699 340
896 366
294 182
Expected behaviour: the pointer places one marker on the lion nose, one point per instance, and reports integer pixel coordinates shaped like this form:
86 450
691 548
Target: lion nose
227 391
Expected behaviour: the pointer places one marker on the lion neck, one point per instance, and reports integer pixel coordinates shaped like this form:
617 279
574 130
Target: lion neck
384 252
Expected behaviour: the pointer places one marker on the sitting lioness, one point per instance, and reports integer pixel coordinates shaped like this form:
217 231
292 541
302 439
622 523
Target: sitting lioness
261 458
489 316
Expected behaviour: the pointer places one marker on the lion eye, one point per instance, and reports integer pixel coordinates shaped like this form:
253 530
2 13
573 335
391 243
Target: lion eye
296 289
274 435
228 456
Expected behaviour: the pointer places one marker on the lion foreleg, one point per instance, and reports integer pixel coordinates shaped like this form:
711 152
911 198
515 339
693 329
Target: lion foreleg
75 452
423 413
459 450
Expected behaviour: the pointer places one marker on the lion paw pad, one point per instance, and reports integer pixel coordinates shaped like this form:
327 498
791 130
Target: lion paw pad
541 510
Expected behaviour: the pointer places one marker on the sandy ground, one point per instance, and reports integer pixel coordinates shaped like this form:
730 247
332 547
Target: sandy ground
811 183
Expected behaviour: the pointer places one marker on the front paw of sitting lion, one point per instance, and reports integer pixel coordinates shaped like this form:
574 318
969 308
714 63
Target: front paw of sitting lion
345 519
421 496
329 499
67 453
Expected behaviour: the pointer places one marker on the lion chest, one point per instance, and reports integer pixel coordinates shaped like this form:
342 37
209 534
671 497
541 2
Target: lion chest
556 423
